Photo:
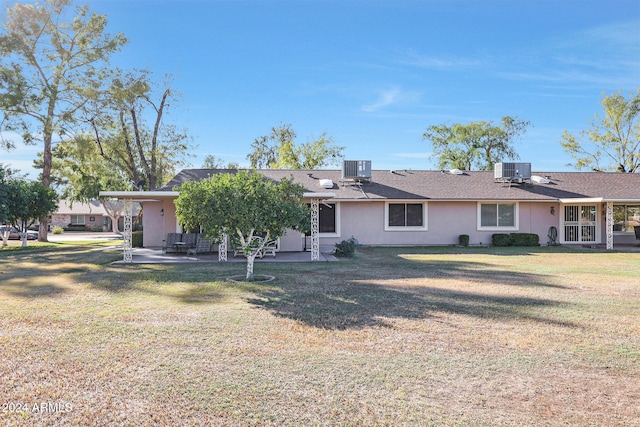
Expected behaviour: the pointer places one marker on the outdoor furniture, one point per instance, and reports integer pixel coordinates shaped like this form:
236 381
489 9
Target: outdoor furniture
189 239
203 246
170 243
637 231
253 244
179 242
180 246
270 248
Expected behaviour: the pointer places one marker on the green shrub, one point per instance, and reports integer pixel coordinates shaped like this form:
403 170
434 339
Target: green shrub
464 240
515 239
57 230
71 227
136 239
346 248
525 239
500 239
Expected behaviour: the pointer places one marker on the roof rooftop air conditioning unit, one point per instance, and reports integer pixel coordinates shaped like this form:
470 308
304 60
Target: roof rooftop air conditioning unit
512 171
356 169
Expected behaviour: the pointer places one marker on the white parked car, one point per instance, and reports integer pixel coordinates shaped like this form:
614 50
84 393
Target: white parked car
14 234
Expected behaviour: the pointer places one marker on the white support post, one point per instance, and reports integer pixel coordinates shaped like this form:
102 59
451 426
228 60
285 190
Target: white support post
609 225
315 227
128 222
222 249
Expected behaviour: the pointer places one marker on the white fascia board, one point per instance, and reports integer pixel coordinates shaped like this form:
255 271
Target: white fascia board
636 200
582 200
146 194
138 194
312 195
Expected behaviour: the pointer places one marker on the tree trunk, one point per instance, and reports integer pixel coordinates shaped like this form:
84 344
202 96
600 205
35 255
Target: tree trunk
250 259
47 157
252 256
43 228
114 224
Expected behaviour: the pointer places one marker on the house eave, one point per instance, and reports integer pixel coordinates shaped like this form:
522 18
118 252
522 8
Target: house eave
636 200
153 195
314 195
139 195
582 200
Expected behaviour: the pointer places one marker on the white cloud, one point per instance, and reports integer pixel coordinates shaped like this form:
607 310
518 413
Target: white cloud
415 59
391 97
385 98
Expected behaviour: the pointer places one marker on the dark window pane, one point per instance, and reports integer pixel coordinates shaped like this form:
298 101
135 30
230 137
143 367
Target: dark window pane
396 215
488 215
414 215
327 219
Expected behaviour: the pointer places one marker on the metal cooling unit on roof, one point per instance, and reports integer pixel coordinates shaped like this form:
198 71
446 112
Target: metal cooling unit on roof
512 172
356 170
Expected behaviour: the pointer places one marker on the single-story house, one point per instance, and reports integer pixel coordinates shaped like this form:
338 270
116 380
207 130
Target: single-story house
91 215
427 207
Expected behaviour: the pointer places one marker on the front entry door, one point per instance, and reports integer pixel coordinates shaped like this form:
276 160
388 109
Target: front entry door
580 223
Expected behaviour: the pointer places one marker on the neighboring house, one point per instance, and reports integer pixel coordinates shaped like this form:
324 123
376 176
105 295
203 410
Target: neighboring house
76 215
417 207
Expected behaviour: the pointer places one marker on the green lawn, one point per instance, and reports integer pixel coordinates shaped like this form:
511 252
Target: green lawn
394 336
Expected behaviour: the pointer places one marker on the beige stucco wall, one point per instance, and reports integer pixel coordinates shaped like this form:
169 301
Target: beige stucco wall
365 221
445 222
157 224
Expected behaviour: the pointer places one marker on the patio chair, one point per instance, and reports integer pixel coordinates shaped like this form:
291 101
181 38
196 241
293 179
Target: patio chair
203 246
270 248
189 240
172 239
253 243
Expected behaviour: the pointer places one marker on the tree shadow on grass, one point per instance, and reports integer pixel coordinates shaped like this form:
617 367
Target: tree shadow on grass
54 272
357 305
394 287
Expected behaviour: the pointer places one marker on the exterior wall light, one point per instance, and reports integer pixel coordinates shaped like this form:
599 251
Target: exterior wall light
552 210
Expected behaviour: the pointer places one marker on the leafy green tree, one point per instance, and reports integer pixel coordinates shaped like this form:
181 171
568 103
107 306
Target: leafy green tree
4 207
613 142
50 67
27 202
476 145
82 173
211 162
279 151
6 175
242 205
128 127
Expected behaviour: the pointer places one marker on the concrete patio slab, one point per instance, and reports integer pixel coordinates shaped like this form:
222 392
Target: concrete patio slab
156 256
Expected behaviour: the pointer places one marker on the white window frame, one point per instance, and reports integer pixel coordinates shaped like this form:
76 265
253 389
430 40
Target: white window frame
516 216
625 205
425 216
84 219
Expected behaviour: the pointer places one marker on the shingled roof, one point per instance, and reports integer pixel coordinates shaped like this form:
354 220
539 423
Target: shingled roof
443 185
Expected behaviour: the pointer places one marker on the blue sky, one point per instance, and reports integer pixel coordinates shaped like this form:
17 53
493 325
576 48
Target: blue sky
375 74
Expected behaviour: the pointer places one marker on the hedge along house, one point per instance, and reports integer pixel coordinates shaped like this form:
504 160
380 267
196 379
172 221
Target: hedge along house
417 207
